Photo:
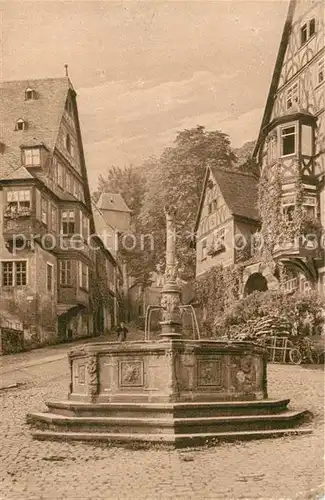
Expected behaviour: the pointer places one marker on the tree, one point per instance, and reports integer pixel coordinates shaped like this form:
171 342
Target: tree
177 178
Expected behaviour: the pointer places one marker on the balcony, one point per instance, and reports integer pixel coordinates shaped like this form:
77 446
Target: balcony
291 285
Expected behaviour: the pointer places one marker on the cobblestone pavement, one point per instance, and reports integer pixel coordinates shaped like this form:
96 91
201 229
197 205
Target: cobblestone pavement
285 468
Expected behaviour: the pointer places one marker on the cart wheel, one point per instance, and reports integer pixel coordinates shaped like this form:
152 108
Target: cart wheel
295 356
314 358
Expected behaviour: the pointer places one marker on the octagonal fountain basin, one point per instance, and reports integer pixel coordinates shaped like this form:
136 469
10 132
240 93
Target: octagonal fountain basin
175 392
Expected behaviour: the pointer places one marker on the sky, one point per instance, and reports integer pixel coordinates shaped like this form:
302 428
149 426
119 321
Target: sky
145 70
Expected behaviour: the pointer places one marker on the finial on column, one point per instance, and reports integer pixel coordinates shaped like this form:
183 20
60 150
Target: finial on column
66 70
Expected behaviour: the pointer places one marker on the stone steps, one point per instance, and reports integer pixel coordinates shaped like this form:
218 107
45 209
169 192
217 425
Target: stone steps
167 425
178 441
176 410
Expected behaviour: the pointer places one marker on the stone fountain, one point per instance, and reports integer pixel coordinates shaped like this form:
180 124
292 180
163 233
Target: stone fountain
173 390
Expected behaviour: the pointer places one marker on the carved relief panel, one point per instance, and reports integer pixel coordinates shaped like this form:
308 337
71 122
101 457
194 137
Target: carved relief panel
131 373
209 372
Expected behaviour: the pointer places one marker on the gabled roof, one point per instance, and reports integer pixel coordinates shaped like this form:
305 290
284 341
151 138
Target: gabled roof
276 74
113 202
239 190
43 116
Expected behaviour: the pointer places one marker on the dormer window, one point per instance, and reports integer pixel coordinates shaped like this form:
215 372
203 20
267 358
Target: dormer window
30 94
32 157
21 124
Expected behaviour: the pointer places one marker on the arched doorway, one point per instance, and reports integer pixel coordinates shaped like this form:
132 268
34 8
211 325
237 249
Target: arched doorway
255 283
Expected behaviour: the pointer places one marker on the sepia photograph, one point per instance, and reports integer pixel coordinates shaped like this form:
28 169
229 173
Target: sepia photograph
162 249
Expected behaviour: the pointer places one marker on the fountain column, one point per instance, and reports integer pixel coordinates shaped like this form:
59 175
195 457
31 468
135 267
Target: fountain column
171 323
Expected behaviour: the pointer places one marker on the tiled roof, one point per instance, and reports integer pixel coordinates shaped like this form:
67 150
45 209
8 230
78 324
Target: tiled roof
112 201
43 116
240 192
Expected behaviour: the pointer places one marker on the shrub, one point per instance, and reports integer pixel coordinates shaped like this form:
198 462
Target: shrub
272 313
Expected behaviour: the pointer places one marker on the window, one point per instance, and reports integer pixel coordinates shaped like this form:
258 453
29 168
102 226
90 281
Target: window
30 94
204 249
54 171
14 273
272 148
7 273
67 222
320 72
309 205
32 157
68 106
49 277
60 175
68 143
75 188
54 218
288 140
303 34
307 31
21 124
83 276
292 97
306 140
18 202
219 237
66 272
84 223
68 182
312 27
288 206
44 210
